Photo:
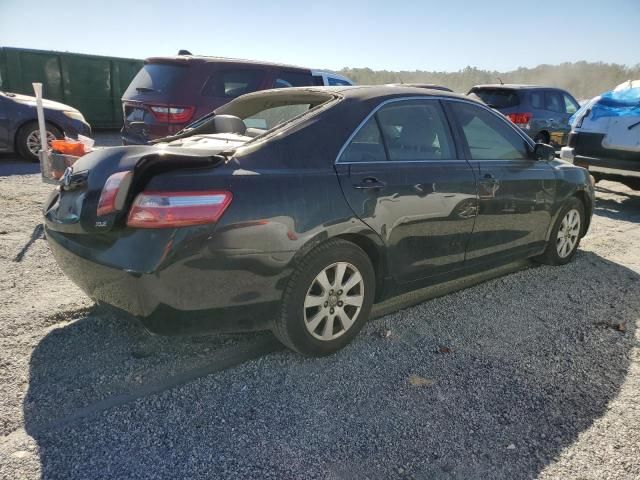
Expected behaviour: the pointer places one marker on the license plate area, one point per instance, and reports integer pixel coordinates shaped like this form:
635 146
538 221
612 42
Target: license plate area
135 114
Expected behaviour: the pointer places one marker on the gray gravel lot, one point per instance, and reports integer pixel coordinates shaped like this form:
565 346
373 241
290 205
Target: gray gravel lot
533 374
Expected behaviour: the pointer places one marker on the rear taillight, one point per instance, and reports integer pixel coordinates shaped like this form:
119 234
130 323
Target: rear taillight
177 209
172 114
520 118
111 198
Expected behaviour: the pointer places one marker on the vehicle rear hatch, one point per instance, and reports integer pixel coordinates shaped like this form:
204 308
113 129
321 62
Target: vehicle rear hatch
499 98
153 102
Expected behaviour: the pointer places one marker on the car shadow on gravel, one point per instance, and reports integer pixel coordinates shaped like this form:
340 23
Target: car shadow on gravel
10 164
103 360
618 203
489 382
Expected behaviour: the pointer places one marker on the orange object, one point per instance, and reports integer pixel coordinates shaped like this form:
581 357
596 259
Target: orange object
69 147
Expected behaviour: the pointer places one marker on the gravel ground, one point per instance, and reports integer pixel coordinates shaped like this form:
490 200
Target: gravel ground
533 374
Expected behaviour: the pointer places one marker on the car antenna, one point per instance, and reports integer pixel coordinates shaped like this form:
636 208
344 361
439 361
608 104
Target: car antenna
184 52
500 80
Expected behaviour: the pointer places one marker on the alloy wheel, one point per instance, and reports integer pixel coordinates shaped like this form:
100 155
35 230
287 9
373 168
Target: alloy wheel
33 141
333 301
568 233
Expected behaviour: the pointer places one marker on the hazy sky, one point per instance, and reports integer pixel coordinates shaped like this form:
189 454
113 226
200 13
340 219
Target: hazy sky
402 34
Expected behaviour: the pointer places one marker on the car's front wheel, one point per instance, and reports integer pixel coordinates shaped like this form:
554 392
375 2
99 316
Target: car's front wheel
28 139
327 300
565 236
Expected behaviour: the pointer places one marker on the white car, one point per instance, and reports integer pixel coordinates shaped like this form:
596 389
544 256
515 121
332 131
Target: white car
605 135
332 79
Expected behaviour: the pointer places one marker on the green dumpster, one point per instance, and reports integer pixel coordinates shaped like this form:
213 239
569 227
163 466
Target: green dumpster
91 83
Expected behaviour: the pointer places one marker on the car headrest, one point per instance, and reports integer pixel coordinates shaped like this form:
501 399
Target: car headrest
229 124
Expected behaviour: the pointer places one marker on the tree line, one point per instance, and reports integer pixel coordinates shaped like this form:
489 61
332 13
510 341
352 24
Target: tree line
582 79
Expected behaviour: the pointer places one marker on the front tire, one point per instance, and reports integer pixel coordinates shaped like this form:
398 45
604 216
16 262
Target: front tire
566 234
327 300
28 139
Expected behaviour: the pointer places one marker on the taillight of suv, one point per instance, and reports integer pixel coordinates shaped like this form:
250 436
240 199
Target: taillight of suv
521 119
164 113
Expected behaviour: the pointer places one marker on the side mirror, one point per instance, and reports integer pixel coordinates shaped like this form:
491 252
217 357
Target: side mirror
544 152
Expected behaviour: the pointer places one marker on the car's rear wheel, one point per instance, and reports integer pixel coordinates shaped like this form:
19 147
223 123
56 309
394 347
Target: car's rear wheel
565 236
542 137
28 139
327 300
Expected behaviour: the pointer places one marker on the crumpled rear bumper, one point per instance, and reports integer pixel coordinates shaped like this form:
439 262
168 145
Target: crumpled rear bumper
189 296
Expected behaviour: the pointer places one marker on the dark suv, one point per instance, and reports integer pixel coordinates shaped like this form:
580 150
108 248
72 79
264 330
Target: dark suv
542 112
170 92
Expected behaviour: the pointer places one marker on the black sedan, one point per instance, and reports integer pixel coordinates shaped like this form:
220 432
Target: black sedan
19 124
296 209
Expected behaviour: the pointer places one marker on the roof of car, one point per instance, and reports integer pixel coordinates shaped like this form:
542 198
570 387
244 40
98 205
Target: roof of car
357 92
365 92
212 59
514 86
432 86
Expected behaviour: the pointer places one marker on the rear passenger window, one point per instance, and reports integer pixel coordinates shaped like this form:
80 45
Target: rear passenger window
286 79
232 83
415 130
570 105
366 146
489 137
553 102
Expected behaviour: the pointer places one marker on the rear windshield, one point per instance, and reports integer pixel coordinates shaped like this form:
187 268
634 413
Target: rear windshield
156 78
497 97
263 112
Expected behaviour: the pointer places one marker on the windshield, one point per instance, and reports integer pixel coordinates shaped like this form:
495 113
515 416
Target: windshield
497 97
156 78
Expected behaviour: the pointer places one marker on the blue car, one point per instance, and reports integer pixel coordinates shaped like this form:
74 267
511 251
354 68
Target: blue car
19 130
542 112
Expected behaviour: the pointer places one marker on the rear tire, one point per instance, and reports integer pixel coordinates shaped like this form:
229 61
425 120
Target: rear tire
542 137
28 139
327 300
566 234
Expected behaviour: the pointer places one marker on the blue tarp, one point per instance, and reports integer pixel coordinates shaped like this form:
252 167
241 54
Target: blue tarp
615 103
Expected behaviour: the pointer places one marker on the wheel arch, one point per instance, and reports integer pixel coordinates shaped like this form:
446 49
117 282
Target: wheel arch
375 253
367 241
588 209
579 193
25 122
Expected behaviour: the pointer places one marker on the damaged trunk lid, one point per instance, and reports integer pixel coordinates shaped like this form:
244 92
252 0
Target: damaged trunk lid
77 205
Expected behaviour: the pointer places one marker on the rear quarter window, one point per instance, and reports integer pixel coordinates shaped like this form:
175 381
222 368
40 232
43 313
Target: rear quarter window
337 82
233 83
536 99
498 97
285 79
